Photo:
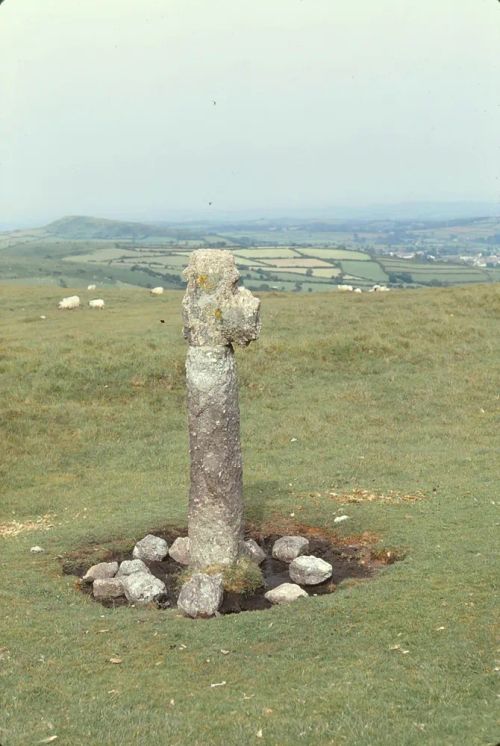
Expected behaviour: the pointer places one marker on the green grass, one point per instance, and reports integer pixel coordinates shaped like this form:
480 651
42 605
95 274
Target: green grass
291 272
269 252
493 273
366 270
452 274
335 254
383 392
332 272
103 255
242 264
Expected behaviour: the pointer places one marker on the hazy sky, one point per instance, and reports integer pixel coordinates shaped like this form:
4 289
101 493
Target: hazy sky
137 108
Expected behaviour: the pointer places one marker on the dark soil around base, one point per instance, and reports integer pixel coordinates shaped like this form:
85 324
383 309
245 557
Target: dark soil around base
355 561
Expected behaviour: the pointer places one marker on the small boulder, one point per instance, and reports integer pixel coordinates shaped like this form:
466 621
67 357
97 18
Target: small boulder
128 567
37 550
201 595
253 551
309 570
288 548
285 593
142 587
105 588
151 548
101 571
179 551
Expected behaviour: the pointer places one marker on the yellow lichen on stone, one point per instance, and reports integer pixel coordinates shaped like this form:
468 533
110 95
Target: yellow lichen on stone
218 314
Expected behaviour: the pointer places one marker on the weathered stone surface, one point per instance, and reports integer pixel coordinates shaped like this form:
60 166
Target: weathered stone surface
215 519
309 570
216 314
253 551
104 588
179 551
201 595
285 593
216 311
100 571
128 567
151 548
142 587
288 548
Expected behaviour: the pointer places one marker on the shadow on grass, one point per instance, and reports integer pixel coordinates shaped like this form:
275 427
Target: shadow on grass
258 494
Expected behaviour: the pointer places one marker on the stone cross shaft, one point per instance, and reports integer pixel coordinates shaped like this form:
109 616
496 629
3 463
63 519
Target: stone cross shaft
216 314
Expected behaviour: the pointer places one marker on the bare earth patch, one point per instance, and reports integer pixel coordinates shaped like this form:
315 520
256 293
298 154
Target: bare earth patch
14 528
354 559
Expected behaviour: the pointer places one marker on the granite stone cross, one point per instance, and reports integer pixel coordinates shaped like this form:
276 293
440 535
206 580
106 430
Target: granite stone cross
216 314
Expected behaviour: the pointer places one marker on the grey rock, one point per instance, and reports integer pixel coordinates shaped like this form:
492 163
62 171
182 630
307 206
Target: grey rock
128 567
179 551
201 595
253 551
288 548
100 571
105 588
216 315
142 587
151 548
216 312
309 570
285 593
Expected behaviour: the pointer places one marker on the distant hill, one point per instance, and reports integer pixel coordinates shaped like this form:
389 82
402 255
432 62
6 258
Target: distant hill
83 227
90 228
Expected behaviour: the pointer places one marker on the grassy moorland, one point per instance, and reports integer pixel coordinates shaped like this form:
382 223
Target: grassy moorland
393 395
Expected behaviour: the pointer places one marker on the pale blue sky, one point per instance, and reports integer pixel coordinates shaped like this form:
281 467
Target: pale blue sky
107 106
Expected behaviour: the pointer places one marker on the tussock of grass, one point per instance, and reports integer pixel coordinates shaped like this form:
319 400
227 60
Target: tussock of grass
243 577
388 555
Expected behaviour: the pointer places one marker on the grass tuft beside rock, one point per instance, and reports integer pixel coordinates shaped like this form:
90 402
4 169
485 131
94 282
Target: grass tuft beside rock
244 577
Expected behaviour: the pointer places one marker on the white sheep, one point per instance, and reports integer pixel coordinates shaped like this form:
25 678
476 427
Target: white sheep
345 288
91 287
156 291
379 289
96 303
358 290
72 301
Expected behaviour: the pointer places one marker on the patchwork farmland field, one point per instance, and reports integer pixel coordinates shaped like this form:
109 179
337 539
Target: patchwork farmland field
365 270
335 254
266 252
77 251
306 262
